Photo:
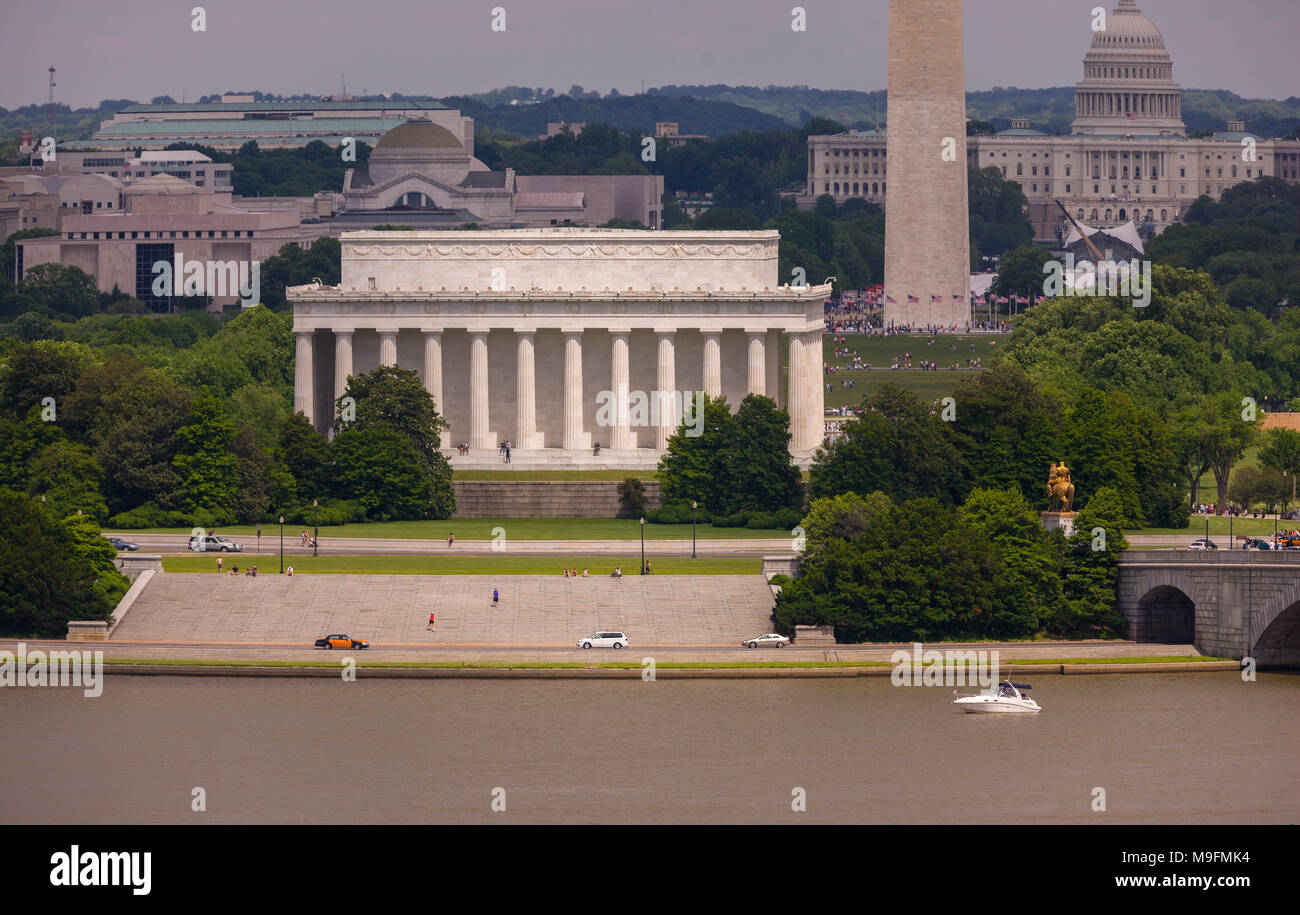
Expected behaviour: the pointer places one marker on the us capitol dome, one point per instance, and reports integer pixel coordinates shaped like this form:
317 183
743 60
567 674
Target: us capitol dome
1128 80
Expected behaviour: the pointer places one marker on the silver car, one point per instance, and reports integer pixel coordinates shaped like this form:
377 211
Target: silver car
770 640
604 640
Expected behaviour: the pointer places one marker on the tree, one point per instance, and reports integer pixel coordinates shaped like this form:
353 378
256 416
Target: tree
60 290
1223 433
1020 272
45 580
694 467
898 446
208 470
306 457
389 398
383 471
761 446
69 479
1281 451
1091 566
1028 586
38 371
840 517
915 573
8 250
1007 429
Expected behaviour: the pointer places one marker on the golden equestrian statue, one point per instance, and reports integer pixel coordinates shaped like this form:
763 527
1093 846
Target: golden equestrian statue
1059 488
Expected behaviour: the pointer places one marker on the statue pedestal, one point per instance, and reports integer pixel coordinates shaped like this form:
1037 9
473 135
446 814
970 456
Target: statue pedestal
1063 520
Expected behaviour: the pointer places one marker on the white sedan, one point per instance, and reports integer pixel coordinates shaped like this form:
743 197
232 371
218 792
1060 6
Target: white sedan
769 640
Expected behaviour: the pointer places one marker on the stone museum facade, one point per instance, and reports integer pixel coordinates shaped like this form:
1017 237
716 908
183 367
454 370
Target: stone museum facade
557 340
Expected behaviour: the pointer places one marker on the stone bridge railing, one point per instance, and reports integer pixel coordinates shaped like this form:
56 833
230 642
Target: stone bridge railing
1233 604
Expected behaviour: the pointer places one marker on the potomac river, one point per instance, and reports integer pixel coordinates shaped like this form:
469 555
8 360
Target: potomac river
1166 748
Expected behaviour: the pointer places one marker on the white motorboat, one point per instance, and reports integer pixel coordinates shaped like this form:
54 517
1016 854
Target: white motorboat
1005 697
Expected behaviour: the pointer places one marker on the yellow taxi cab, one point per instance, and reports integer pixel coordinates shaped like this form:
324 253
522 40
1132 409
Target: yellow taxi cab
341 641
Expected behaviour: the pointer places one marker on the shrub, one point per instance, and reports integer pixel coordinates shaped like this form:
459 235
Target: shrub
631 497
150 515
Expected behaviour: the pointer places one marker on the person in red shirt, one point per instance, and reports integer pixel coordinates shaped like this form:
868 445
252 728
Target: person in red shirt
433 623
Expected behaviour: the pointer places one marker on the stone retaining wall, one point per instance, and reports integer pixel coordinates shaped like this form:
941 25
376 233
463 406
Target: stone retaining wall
543 498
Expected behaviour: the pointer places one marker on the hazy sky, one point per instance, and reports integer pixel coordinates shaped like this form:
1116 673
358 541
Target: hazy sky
143 48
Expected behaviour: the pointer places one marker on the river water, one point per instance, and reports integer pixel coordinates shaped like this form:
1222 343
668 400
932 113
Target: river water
1177 748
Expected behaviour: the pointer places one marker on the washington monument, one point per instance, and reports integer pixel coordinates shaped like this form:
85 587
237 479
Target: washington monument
927 225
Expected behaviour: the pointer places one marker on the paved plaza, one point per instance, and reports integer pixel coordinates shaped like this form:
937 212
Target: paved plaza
533 610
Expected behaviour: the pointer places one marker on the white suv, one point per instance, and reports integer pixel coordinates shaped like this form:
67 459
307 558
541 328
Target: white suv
604 640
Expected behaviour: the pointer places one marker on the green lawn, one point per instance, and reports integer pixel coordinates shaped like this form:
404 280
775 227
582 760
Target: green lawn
878 351
269 564
482 529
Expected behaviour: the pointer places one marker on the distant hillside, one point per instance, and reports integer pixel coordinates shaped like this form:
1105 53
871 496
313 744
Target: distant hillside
719 110
1048 110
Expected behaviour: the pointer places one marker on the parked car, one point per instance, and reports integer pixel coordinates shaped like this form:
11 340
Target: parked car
767 641
1202 544
214 544
604 640
1255 543
120 544
341 641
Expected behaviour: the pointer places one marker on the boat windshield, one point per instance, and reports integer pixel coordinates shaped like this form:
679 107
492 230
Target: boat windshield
1007 690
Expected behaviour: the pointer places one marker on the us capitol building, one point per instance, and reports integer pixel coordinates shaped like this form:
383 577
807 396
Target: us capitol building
1128 158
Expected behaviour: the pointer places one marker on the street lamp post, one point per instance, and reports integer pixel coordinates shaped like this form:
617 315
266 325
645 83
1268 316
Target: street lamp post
643 544
694 505
315 529
282 544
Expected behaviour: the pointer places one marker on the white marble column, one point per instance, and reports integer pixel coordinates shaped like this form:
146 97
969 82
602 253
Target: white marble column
525 392
479 434
773 351
388 347
433 369
757 376
342 360
713 363
807 396
304 376
621 438
667 385
574 437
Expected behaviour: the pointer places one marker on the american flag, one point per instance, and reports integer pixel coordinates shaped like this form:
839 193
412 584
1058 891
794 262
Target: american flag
891 300
958 298
934 299
912 300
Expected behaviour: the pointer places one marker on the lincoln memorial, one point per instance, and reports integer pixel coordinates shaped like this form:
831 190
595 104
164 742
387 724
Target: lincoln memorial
559 339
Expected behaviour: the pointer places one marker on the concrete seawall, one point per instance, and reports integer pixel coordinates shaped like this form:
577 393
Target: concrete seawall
506 672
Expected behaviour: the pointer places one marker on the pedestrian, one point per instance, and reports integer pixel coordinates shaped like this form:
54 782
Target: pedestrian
433 623
496 596
219 564
451 538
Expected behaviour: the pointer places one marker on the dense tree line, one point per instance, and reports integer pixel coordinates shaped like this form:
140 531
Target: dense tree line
885 569
173 422
1248 242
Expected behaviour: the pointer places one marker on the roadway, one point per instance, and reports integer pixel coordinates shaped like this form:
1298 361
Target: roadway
359 546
